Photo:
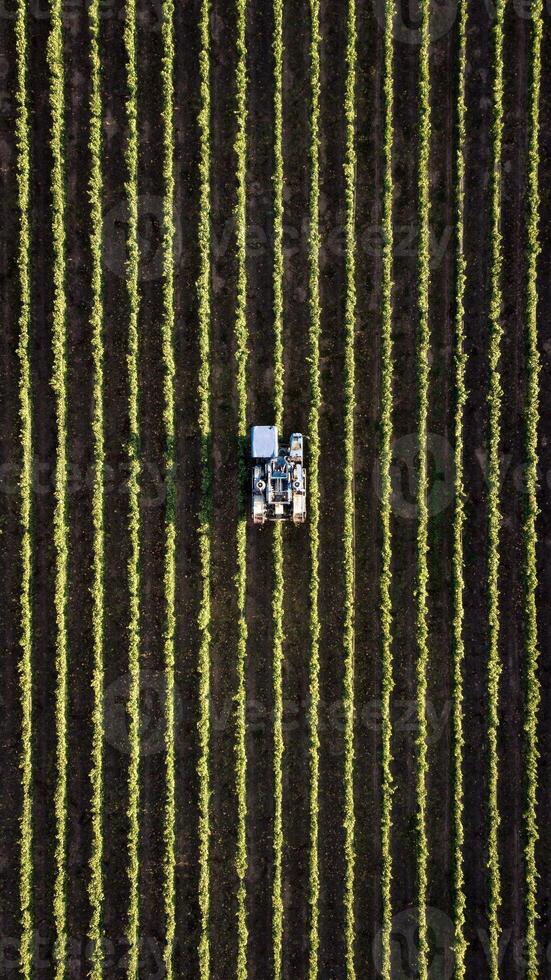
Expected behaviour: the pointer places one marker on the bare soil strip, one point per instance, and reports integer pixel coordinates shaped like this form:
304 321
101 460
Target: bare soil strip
477 238
260 97
332 295
10 502
188 480
116 494
80 462
225 497
44 441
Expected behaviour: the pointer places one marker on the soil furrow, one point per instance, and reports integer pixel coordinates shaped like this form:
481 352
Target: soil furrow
477 238
79 450
260 99
10 502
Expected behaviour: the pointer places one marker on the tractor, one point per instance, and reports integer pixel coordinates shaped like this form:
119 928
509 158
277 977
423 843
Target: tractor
278 477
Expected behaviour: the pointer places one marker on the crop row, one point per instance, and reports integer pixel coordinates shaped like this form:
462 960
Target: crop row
96 888
133 459
385 452
495 395
314 493
204 540
460 393
423 361
60 531
278 585
241 354
26 438
348 467
533 697
169 425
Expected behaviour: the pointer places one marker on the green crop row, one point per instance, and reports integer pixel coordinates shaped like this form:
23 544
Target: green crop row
423 361
59 386
533 697
495 395
460 945
241 356
169 425
133 455
314 494
204 539
96 886
386 428
349 514
278 587
25 513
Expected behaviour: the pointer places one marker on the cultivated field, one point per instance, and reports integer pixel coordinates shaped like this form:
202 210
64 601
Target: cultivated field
314 752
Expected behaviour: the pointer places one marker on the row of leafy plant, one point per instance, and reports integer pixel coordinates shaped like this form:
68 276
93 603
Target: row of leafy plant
533 697
204 540
460 391
133 459
169 425
349 496
60 526
385 455
423 368
96 883
22 127
278 583
241 356
495 395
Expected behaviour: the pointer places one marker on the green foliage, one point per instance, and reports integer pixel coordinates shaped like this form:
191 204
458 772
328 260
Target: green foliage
423 360
495 395
533 697
314 493
386 429
96 888
241 355
25 488
460 945
133 457
349 513
169 424
59 386
204 618
278 587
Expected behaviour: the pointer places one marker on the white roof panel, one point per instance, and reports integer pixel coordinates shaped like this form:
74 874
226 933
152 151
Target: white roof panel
264 443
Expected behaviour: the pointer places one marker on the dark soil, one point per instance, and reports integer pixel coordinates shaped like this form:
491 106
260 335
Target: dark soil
10 456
